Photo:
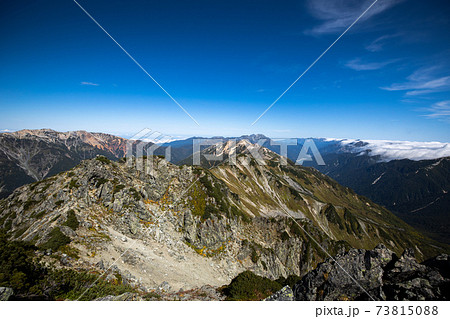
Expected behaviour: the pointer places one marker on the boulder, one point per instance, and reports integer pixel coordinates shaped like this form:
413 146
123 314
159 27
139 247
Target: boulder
6 293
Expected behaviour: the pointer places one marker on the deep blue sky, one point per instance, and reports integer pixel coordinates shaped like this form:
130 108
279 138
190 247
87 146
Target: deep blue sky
225 62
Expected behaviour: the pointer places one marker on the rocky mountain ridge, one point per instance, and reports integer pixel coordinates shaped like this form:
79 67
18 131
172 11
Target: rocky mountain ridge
188 226
32 155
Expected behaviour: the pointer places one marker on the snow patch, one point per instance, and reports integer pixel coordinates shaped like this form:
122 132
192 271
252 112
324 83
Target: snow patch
379 177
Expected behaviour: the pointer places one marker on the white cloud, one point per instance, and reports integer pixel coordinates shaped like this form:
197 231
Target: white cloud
440 110
422 81
390 150
5 131
358 65
339 14
89 83
378 44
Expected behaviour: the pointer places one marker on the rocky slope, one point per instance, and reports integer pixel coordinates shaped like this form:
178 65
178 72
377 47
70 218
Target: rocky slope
32 155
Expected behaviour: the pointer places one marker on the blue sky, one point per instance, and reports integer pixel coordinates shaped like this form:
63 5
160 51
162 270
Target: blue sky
226 62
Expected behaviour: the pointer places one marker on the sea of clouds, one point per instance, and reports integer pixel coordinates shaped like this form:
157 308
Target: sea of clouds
391 150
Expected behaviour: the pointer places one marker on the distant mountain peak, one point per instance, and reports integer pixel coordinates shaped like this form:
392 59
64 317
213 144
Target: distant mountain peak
254 138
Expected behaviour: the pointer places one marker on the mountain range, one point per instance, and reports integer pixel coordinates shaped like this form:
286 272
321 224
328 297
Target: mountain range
403 177
175 228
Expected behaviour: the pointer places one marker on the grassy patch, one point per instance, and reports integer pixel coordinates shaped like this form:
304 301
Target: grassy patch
332 216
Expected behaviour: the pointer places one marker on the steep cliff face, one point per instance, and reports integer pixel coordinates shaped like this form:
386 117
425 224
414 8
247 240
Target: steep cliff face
32 155
188 226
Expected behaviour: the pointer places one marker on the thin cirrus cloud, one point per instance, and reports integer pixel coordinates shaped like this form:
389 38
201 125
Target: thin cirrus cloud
439 110
89 83
359 65
422 81
378 44
338 15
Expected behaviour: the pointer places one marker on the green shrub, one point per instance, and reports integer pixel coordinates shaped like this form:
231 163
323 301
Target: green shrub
16 265
285 236
71 284
59 202
72 220
290 281
254 256
118 188
248 286
151 296
209 211
295 229
73 183
29 204
20 231
103 159
31 280
135 194
57 240
100 181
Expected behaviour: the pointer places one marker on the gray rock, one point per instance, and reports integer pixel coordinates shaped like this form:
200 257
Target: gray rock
164 286
285 294
377 274
190 228
128 296
100 264
6 293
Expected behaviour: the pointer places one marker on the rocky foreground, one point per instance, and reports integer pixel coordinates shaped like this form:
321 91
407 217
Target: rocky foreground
163 228
358 274
376 274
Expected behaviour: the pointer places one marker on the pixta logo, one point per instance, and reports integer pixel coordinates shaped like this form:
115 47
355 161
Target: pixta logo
141 149
143 146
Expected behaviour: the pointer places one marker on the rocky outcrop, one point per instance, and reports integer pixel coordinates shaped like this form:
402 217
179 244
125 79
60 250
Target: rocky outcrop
6 293
127 296
285 294
376 274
